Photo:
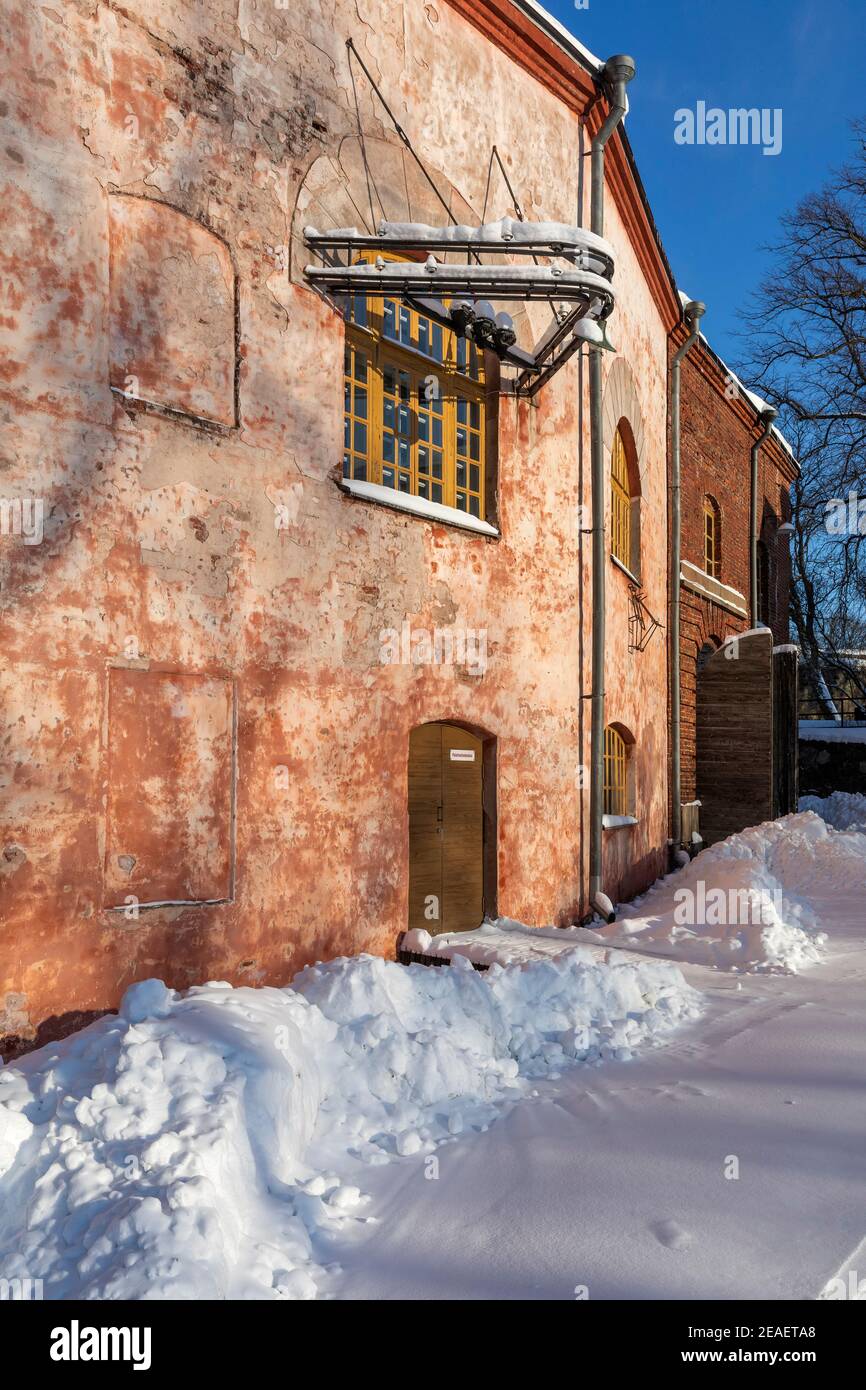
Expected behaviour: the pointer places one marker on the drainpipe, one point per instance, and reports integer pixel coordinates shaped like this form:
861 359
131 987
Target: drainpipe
616 74
767 416
692 314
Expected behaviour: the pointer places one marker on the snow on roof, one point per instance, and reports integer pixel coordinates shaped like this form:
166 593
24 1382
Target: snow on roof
756 401
547 21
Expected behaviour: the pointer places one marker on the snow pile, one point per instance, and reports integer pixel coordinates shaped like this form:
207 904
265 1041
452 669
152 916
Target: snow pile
751 902
841 810
203 1145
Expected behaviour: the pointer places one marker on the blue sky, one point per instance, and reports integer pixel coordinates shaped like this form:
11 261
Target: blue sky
716 206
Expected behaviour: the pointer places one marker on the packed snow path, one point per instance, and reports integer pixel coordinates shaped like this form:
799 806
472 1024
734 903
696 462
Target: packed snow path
613 1178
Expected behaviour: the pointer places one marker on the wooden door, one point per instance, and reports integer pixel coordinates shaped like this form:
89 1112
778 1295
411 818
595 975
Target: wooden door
446 829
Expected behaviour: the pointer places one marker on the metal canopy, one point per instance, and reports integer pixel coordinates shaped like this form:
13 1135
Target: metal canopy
514 238
580 292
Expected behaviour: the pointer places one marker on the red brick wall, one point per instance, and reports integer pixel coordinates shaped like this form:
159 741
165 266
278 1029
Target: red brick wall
717 433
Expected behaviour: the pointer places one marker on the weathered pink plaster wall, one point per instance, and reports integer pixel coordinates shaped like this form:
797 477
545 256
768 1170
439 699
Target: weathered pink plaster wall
176 541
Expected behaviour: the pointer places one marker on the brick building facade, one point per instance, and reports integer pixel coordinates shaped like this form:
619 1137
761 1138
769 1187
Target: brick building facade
716 445
206 760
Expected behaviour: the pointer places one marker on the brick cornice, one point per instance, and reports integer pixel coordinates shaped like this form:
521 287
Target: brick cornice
705 361
525 43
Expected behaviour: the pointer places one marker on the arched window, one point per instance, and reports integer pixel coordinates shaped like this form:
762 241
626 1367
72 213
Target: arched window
617 779
414 417
712 538
624 500
620 503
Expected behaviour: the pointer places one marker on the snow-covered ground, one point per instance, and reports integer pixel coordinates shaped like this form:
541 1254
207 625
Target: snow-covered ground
199 1145
752 902
582 1118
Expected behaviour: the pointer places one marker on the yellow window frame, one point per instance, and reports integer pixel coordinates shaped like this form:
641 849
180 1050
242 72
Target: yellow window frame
418 407
615 773
620 503
712 556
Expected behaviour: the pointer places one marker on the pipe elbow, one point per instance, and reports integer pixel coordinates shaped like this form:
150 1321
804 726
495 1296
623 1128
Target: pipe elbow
604 907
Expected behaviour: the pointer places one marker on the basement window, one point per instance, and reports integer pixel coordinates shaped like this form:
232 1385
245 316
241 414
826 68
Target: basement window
414 406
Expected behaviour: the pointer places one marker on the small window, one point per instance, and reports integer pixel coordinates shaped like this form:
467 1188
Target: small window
616 773
621 509
712 539
414 412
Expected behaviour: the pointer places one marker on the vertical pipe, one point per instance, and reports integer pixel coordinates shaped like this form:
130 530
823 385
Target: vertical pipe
692 314
618 71
767 416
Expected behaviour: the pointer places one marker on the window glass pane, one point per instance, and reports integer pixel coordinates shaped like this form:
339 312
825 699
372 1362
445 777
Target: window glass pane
437 492
474 506
474 478
474 446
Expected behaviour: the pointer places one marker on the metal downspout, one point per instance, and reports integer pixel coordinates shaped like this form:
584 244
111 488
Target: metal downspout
617 73
692 315
767 416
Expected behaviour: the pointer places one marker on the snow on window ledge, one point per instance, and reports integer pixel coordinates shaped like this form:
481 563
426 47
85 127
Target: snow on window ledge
617 822
417 506
625 569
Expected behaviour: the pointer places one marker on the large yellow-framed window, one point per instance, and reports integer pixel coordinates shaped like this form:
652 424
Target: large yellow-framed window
712 552
620 504
414 405
615 773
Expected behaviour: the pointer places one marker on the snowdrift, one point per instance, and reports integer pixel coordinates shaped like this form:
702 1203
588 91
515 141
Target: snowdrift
206 1144
841 810
753 902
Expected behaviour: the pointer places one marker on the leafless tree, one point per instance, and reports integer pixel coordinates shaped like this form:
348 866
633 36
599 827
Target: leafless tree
807 352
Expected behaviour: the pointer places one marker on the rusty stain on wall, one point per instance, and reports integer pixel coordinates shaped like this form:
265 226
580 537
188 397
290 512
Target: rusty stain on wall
203 547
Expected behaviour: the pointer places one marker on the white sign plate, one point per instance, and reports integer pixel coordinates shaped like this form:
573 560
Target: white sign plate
463 755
